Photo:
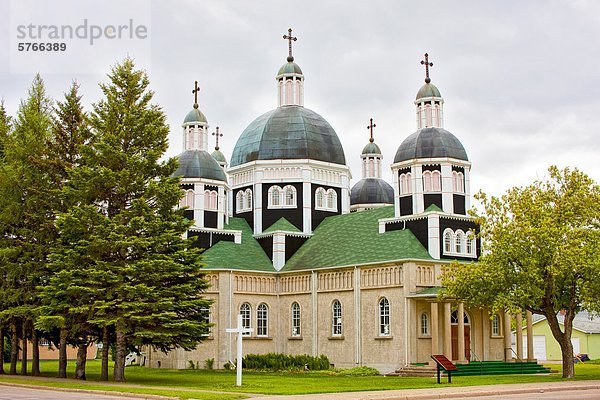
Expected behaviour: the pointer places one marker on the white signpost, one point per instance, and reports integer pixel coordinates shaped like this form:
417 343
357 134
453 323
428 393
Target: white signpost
240 330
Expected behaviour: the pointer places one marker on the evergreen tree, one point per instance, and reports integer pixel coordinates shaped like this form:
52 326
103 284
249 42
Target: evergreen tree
5 127
26 219
133 271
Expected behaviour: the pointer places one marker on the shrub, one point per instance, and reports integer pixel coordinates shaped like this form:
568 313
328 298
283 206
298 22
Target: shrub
358 371
209 363
279 362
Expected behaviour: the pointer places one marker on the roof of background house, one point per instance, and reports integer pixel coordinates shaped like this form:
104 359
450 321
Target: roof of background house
584 321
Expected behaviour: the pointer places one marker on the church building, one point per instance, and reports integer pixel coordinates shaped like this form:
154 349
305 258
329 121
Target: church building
317 266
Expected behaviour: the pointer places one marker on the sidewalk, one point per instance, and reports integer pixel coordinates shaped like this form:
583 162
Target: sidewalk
447 392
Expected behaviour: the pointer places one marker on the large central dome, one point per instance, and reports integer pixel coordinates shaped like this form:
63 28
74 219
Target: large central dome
288 132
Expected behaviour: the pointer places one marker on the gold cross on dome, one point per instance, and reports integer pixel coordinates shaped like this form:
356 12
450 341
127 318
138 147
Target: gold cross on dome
290 38
427 64
370 128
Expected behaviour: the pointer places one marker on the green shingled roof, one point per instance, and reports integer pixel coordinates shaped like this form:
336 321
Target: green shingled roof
428 292
247 256
355 239
433 207
282 224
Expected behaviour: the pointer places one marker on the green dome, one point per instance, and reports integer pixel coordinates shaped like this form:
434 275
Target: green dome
431 143
289 67
218 156
428 90
371 191
289 132
199 164
194 116
371 148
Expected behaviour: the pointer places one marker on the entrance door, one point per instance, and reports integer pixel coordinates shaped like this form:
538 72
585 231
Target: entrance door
455 342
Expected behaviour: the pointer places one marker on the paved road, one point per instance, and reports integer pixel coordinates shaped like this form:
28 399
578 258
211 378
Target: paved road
18 393
570 395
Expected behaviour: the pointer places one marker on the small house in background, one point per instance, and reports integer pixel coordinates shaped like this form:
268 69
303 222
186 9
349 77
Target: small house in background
48 351
585 337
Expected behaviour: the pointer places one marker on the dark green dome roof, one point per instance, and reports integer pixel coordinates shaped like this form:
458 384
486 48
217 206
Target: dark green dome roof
195 116
289 132
428 90
218 156
289 67
371 148
199 164
431 143
372 191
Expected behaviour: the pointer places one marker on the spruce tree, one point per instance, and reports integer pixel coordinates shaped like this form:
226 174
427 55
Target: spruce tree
133 266
5 127
26 218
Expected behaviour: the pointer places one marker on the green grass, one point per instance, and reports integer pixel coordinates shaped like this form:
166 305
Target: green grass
220 385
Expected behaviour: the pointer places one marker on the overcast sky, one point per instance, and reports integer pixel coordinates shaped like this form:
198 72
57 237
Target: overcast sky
520 79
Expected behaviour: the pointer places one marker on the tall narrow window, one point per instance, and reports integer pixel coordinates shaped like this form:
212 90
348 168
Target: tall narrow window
336 320
436 183
275 194
459 241
239 201
470 243
320 198
296 319
262 320
384 317
427 181
425 324
448 241
290 195
245 312
331 200
495 325
248 196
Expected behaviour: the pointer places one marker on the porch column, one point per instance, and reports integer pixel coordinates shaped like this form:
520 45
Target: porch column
447 331
519 330
435 344
529 336
507 334
461 332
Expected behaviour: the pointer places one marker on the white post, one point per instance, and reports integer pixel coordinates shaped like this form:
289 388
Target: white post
240 330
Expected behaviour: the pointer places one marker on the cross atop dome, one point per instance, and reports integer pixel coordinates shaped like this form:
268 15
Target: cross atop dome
217 136
370 128
427 64
195 93
290 38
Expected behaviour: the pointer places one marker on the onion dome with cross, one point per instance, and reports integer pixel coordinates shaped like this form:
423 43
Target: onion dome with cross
371 191
431 166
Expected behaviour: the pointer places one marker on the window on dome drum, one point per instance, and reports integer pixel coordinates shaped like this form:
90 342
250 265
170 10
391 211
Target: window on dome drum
187 200
495 325
320 199
290 195
262 320
326 200
296 319
246 313
282 198
384 317
424 324
405 183
239 201
336 318
248 195
243 200
210 200
458 182
432 181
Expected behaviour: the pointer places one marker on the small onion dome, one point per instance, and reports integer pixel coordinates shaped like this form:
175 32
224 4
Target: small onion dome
371 148
288 133
428 90
218 156
431 143
194 116
372 191
199 164
289 67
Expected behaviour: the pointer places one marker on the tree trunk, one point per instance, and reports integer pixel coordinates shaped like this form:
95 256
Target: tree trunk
24 349
105 350
81 360
563 339
14 349
566 348
2 353
119 372
35 353
62 354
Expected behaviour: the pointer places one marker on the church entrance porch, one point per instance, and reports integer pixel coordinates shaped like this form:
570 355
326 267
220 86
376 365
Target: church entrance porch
467 341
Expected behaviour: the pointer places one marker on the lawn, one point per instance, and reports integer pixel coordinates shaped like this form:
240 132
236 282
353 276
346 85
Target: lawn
220 385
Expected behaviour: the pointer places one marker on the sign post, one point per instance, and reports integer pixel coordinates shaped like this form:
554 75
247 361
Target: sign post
240 330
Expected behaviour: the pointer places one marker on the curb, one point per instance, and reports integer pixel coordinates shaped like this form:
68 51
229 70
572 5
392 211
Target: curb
90 391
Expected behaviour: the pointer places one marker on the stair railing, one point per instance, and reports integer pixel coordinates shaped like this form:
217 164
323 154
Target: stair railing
517 357
473 354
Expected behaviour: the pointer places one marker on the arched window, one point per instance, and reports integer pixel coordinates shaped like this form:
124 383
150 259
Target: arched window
289 92
458 185
424 324
246 313
187 200
331 200
454 318
290 195
239 201
210 200
448 241
248 202
470 243
427 185
495 325
384 317
262 320
427 115
298 91
320 198
371 167
275 193
405 183
459 245
336 318
296 319
436 182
